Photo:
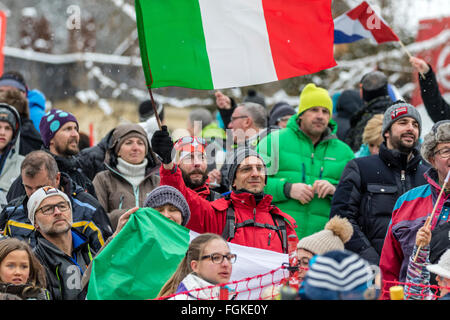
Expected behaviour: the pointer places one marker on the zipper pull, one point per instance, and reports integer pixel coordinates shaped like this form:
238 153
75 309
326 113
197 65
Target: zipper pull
403 178
312 158
270 236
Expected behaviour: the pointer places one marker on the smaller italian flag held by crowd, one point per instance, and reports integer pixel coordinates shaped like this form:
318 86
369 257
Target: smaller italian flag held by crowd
215 44
146 252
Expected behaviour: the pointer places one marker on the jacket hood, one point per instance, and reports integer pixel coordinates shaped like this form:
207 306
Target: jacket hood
36 99
18 121
114 138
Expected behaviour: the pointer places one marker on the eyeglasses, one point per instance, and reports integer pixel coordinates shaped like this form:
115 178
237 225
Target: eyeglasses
50 209
443 153
238 117
218 258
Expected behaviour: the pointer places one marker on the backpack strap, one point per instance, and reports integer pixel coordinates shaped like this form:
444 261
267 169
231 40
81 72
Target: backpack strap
230 226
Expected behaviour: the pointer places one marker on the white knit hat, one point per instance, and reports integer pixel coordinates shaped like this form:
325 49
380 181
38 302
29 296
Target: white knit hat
40 195
442 268
337 231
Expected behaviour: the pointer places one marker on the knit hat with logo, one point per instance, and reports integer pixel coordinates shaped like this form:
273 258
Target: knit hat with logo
398 110
40 195
163 195
313 96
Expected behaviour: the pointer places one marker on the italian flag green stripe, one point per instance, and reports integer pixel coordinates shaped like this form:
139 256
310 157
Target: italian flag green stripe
171 35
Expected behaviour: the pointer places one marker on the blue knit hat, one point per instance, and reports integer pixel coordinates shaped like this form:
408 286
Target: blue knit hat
338 275
52 121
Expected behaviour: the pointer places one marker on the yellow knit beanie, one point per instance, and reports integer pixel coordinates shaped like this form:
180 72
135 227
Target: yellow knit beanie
313 96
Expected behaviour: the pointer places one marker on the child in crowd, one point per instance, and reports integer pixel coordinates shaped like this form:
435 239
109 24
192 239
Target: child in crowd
21 273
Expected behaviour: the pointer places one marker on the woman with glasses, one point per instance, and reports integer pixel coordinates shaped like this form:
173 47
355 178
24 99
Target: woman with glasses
206 265
415 206
130 173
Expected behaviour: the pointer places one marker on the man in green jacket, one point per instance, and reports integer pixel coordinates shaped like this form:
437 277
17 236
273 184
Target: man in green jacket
305 162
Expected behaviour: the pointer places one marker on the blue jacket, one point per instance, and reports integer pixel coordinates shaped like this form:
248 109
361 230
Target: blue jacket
36 104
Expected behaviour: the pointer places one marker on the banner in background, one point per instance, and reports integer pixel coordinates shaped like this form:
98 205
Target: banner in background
438 57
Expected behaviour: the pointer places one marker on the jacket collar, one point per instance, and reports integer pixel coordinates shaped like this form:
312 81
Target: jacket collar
248 199
399 159
79 241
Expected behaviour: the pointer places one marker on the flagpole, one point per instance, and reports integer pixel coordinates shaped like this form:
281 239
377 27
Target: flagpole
154 107
409 55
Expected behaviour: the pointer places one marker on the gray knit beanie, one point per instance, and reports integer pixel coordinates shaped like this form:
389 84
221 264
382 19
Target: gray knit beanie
240 155
440 133
398 110
337 231
163 195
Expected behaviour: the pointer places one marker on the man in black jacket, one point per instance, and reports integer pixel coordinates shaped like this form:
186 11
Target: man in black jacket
370 186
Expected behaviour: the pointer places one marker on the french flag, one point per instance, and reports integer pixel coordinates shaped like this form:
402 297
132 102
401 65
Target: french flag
362 22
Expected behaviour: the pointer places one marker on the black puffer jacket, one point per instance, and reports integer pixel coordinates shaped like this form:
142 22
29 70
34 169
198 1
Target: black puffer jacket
367 192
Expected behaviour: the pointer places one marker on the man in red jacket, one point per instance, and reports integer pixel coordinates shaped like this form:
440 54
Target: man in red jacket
246 216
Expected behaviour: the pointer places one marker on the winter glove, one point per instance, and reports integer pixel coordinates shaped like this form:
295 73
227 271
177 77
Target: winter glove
162 145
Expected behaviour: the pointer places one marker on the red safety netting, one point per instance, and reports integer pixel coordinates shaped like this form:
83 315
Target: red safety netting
268 286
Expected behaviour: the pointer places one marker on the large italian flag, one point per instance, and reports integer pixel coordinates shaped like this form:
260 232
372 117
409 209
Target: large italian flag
147 251
214 44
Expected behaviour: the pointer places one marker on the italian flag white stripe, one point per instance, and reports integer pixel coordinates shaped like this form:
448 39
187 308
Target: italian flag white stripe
237 42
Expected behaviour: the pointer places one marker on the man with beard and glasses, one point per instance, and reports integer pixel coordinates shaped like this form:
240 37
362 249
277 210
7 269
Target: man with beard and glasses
60 135
192 161
305 161
371 185
62 249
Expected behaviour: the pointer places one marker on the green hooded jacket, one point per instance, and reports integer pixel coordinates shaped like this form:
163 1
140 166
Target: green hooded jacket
291 157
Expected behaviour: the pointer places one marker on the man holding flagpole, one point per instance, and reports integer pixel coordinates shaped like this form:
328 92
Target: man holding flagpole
246 216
